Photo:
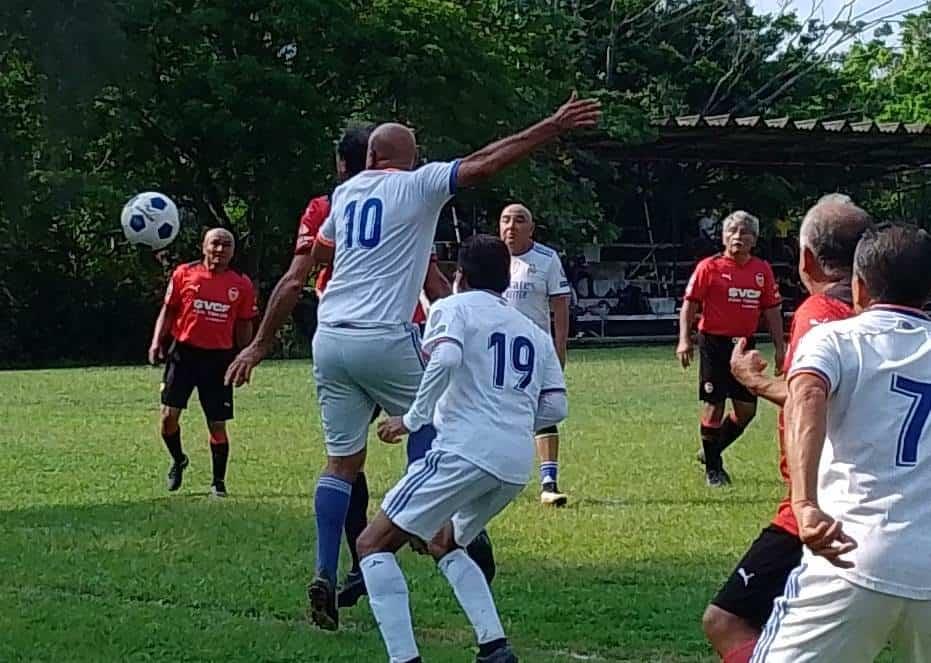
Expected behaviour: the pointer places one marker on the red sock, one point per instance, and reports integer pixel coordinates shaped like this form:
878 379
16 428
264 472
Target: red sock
741 653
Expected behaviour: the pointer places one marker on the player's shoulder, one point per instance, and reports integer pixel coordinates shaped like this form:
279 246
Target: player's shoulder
187 268
758 263
709 262
821 308
544 250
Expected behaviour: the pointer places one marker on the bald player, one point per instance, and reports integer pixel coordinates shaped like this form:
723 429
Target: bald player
379 236
828 239
538 288
208 312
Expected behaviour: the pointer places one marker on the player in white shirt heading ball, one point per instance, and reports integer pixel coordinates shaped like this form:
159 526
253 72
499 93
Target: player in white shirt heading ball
492 379
538 286
859 451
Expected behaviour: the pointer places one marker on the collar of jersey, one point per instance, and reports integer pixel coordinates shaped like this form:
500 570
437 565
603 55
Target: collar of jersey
518 255
904 310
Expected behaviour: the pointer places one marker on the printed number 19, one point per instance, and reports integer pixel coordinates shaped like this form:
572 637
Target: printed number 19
522 356
912 429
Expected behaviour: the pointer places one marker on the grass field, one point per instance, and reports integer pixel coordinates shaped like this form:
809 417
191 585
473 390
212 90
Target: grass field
101 564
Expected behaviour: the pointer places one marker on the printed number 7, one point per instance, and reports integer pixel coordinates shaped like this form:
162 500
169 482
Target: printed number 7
910 435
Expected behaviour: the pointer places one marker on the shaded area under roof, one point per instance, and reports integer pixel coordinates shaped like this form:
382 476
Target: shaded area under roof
777 143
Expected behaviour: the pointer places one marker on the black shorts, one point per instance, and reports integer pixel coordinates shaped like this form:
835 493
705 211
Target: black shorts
188 367
549 430
716 382
760 576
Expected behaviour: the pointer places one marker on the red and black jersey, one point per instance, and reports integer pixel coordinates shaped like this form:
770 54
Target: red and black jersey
732 296
316 212
208 304
816 310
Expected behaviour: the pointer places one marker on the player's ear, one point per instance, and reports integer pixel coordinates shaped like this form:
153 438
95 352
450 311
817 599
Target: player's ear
810 265
861 294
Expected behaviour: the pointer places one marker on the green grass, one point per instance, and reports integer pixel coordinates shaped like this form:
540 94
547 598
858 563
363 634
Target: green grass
100 564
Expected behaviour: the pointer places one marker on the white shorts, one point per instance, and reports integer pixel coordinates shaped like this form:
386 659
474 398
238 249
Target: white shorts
443 487
825 618
355 369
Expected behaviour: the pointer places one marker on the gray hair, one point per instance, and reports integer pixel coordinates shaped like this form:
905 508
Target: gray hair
742 217
831 230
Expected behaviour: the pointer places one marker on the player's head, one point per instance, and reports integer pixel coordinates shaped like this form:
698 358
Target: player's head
484 264
218 248
515 227
392 145
739 233
352 151
828 239
891 267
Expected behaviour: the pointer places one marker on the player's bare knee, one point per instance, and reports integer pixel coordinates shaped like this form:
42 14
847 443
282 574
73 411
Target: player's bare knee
381 535
744 413
345 467
169 420
718 624
443 543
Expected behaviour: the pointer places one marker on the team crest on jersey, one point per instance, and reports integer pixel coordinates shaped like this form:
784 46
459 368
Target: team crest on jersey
531 268
709 387
759 279
233 294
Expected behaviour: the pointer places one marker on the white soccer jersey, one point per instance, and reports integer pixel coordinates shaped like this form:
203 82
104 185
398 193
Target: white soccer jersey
382 223
875 472
536 275
486 415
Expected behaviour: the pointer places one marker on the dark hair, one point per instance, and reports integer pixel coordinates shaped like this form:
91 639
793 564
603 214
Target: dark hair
832 229
353 148
485 262
894 261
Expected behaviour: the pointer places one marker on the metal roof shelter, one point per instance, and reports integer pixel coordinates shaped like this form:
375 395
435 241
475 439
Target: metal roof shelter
728 140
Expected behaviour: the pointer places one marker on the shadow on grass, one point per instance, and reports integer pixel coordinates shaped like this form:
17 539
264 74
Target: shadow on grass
187 578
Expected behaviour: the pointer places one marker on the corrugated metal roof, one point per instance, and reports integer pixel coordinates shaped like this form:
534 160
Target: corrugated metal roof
810 125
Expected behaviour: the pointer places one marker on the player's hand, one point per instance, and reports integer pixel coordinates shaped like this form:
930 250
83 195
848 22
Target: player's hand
780 359
823 535
577 113
685 351
392 429
240 370
746 366
156 354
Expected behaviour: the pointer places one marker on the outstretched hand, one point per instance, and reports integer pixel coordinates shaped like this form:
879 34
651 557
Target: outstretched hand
392 429
578 113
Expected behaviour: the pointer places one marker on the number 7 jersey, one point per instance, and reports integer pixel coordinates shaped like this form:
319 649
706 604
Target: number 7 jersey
486 414
382 224
875 471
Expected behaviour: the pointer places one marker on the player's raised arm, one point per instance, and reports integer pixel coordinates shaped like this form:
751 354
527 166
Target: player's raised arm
492 159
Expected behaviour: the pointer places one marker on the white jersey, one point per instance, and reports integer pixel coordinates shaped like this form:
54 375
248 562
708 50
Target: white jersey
382 223
486 415
536 275
875 472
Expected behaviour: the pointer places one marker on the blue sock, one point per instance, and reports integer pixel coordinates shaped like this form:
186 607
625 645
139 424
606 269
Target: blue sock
548 471
419 443
331 502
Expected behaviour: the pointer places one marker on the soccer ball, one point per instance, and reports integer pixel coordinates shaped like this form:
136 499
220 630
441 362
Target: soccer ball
150 219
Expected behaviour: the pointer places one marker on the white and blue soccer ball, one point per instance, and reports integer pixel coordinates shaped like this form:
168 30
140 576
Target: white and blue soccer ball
151 219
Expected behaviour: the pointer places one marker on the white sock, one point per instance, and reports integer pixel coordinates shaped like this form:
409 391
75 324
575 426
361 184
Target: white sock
388 599
473 594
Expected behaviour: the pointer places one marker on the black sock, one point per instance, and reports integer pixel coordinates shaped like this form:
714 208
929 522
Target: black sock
357 517
173 444
730 431
220 453
709 444
491 647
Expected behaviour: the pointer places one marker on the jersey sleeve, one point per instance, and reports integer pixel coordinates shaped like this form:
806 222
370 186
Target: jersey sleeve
697 287
556 282
818 353
327 233
173 291
248 307
311 221
552 377
445 324
437 181
771 296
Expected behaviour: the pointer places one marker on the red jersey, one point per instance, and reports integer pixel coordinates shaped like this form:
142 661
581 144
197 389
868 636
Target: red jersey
731 295
318 209
208 304
815 310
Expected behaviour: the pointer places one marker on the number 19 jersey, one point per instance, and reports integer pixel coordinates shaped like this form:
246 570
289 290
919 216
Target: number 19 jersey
486 415
382 224
875 471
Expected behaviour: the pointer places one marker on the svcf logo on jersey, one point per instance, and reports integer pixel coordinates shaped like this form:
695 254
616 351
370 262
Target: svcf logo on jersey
233 294
759 279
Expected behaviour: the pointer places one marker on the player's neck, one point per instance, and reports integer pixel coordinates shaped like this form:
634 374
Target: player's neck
522 249
740 258
215 269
